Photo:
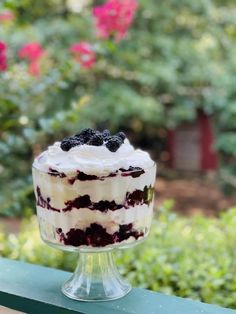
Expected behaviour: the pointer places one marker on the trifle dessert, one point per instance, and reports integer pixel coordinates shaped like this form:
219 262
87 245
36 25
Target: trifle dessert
94 190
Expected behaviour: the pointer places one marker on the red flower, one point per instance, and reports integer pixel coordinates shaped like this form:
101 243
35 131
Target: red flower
3 56
114 18
32 52
84 54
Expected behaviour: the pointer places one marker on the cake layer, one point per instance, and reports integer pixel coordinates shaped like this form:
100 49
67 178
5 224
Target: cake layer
59 190
140 216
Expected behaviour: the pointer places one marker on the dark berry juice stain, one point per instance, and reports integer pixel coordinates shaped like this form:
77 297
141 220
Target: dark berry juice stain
72 180
81 176
55 173
44 203
85 177
134 172
96 235
79 202
139 197
104 206
85 202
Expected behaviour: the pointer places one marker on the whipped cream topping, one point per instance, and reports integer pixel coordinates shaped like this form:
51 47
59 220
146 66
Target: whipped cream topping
96 160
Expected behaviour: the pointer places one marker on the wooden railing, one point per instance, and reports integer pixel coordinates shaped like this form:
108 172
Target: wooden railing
35 289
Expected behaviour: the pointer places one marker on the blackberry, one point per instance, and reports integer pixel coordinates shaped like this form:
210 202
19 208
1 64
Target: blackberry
85 134
117 138
69 142
105 134
91 137
114 143
96 140
121 135
80 139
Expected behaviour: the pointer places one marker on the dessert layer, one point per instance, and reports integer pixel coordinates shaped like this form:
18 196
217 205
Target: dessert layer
139 215
96 236
92 160
137 197
59 190
133 172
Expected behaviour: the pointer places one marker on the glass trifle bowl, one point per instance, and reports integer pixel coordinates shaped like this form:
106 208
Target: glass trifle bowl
94 194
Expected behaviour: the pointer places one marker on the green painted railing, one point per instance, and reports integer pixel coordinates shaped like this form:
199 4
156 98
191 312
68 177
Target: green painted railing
36 290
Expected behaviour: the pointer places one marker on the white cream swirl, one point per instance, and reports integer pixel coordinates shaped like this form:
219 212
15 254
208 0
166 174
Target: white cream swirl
96 160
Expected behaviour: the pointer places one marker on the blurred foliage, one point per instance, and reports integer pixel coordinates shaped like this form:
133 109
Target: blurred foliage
177 57
166 262
37 9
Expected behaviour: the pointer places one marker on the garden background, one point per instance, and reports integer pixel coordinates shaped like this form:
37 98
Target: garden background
65 65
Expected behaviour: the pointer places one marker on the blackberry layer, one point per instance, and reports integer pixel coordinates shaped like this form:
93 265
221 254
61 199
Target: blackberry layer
140 216
133 172
96 235
137 197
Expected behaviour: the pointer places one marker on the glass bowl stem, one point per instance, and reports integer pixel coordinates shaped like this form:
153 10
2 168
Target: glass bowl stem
96 278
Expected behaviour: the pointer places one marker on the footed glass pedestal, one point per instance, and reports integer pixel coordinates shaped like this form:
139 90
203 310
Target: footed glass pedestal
96 278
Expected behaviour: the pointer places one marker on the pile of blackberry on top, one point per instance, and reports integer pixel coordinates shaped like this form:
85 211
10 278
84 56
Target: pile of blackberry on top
95 138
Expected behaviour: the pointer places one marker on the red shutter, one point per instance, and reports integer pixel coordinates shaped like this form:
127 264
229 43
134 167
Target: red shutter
209 160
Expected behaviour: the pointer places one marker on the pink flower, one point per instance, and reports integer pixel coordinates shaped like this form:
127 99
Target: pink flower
3 56
84 54
6 16
3 46
32 52
34 68
114 18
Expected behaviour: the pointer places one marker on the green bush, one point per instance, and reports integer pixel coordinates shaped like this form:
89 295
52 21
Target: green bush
178 56
189 257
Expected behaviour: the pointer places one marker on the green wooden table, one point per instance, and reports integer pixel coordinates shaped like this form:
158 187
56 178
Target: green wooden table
36 290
